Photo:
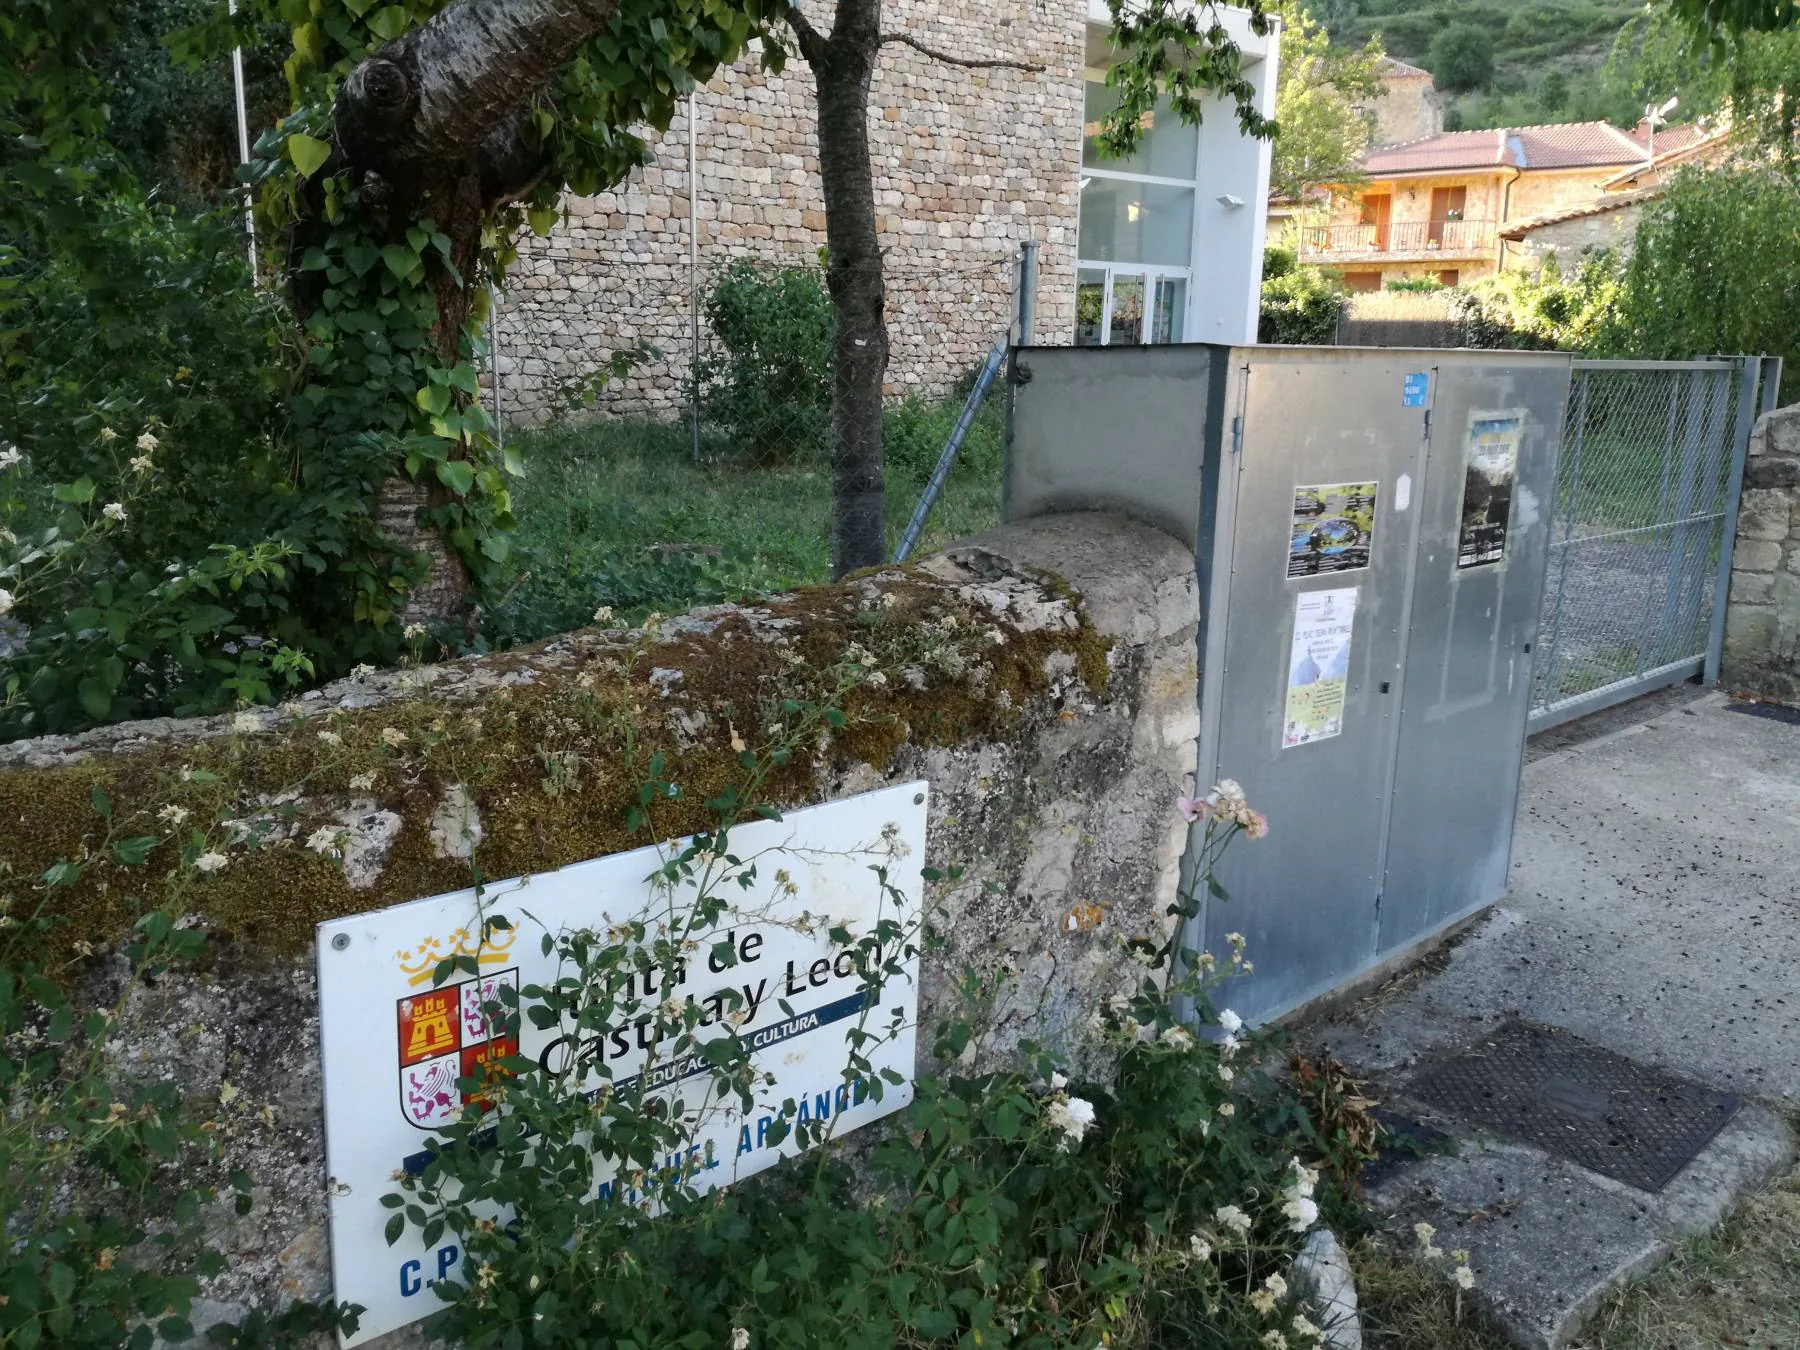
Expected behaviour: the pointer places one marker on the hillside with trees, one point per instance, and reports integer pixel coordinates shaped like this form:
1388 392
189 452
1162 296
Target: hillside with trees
1504 63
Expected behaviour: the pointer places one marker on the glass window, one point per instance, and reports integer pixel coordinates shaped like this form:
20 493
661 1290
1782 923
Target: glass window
1127 310
1090 304
1170 147
1171 306
1128 222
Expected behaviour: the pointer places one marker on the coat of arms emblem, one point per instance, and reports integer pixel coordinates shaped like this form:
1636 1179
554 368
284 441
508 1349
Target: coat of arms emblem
447 1035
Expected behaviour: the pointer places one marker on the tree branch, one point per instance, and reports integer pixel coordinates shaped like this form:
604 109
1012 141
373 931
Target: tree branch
998 64
812 42
431 96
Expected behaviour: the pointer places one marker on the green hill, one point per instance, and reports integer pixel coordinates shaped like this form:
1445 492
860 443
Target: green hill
1547 54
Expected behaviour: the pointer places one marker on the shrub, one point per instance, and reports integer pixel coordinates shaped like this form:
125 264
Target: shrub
155 525
1156 1202
770 388
1299 304
1462 57
1543 310
1716 269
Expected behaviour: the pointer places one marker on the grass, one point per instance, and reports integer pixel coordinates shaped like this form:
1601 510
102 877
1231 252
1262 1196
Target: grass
1739 1286
616 512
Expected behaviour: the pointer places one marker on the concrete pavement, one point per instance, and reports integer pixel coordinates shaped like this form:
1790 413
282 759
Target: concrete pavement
1654 911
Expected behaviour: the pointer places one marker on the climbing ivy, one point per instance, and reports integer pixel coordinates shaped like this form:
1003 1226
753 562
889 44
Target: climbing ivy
381 373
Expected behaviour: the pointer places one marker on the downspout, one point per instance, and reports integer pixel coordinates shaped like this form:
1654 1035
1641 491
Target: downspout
1505 218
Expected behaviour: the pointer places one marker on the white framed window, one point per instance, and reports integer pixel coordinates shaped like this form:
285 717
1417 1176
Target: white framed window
1136 228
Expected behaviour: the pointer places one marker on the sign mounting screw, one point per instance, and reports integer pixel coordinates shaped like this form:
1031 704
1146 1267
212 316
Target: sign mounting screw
341 942
918 799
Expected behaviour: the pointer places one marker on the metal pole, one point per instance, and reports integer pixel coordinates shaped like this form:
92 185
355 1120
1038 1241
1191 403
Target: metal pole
243 121
972 405
694 269
1553 667
1734 496
494 363
1028 265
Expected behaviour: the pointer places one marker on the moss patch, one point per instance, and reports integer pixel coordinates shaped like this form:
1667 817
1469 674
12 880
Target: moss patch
553 759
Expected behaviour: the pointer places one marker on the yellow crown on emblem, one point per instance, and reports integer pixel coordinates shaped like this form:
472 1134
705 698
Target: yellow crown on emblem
421 963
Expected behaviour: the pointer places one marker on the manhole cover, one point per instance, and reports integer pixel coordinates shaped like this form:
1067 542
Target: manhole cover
1545 1087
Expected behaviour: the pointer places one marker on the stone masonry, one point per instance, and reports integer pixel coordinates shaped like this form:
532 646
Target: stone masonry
1762 625
968 164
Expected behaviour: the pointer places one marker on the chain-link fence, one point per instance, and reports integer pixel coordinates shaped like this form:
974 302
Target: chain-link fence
674 424
1647 478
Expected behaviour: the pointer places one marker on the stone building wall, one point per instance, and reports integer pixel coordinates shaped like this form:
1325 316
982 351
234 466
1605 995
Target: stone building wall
1052 711
1410 110
1762 624
1569 239
968 164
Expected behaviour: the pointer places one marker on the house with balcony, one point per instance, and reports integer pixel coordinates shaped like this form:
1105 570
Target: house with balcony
1450 206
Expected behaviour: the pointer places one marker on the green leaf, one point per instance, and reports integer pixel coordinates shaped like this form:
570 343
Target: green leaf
395 1227
400 259
543 220
132 852
78 493
308 153
94 697
456 474
388 22
102 803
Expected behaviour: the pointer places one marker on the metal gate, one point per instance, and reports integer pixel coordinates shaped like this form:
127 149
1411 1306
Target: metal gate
1647 486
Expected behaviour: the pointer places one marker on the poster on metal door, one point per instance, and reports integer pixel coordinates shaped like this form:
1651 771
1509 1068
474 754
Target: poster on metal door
1318 666
1490 470
1333 529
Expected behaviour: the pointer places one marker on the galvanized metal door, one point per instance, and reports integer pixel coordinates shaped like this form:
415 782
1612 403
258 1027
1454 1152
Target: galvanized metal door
1467 681
1398 819
1645 516
1306 899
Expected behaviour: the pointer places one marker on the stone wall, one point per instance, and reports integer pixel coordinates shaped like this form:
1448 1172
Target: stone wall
1569 239
1052 711
1409 109
1762 625
968 164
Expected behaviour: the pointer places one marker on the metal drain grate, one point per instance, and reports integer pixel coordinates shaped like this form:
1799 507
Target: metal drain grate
1775 712
1542 1086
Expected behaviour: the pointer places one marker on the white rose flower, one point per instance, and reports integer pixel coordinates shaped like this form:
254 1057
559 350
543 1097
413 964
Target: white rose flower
1231 1022
1232 1219
362 782
323 840
9 456
1073 1116
740 1339
173 814
1465 1278
211 862
413 631
246 721
6 601
114 511
142 464
393 736
603 614
1276 1286
1199 1248
147 443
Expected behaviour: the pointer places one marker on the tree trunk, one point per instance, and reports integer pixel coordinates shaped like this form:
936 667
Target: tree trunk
843 66
429 126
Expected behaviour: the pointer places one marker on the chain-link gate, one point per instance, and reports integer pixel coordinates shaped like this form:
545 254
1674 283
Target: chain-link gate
1647 489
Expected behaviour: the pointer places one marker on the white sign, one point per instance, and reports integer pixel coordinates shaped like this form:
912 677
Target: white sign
396 1044
1318 666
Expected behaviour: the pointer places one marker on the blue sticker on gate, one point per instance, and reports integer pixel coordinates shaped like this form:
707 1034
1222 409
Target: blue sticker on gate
1415 390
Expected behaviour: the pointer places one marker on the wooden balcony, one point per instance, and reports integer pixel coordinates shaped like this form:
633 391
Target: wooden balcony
1399 241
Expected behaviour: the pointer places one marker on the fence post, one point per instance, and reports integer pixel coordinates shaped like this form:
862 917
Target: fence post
1578 408
694 267
1734 496
1028 262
